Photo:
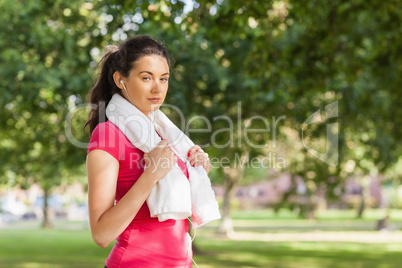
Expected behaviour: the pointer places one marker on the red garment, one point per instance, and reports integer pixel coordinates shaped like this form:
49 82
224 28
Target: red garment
146 242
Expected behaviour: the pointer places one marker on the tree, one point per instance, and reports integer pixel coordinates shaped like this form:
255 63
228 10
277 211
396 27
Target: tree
348 54
46 47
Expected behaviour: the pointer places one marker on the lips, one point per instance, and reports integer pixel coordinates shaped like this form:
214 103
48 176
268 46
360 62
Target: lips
154 100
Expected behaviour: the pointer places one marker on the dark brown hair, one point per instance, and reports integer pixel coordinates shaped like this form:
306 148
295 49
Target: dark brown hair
121 59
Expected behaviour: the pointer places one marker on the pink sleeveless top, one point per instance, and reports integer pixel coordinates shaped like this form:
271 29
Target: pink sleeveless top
146 242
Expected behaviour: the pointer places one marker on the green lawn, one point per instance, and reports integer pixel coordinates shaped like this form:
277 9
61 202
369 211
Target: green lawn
70 245
49 248
224 253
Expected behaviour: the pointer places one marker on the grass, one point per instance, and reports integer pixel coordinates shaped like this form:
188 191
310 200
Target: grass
49 248
225 253
70 244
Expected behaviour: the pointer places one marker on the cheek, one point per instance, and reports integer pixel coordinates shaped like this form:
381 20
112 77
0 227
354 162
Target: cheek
165 88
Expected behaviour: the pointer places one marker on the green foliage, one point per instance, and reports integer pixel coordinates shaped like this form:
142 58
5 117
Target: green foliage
46 47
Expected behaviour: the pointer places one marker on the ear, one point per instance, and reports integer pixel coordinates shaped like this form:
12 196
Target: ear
117 77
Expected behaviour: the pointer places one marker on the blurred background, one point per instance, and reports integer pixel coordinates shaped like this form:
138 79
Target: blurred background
297 103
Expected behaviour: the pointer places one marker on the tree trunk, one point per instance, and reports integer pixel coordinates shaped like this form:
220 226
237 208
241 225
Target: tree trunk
46 220
232 178
311 206
226 224
361 207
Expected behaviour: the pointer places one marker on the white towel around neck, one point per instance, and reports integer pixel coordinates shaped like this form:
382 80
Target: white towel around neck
173 197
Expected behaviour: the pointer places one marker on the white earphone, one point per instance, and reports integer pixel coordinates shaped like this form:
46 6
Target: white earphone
122 83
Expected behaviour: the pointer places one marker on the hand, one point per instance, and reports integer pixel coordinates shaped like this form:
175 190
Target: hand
198 157
160 160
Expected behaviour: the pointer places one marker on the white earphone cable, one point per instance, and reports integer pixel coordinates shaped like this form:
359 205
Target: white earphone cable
122 83
192 239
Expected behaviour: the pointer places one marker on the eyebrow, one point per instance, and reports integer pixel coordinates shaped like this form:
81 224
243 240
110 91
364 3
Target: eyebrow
148 72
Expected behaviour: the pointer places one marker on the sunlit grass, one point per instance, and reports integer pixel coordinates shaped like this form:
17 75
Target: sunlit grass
49 248
25 245
221 253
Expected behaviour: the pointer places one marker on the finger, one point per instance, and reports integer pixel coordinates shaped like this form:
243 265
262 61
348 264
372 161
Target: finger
201 160
194 149
162 144
190 152
198 158
193 157
198 163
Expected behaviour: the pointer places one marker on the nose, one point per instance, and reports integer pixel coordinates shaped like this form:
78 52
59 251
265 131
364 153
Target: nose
156 87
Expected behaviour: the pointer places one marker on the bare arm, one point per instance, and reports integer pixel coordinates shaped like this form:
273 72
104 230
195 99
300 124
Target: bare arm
107 220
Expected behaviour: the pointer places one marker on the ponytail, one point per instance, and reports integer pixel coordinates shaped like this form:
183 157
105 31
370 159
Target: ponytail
102 92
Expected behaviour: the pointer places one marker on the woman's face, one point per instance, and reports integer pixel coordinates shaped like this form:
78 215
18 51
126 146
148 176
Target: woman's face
147 83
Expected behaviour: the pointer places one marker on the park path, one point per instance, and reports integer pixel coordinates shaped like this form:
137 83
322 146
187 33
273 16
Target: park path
323 236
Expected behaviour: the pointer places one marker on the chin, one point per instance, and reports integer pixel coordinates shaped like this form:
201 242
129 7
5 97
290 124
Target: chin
155 107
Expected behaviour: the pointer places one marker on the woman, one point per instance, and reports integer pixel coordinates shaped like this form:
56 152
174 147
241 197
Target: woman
118 186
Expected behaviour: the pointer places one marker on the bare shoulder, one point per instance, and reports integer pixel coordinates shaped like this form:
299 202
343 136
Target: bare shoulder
99 157
102 167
